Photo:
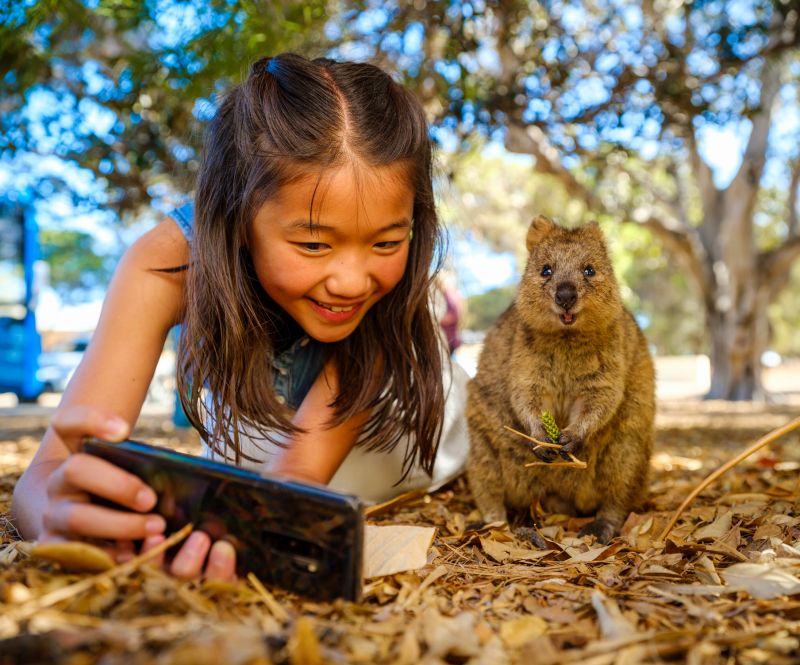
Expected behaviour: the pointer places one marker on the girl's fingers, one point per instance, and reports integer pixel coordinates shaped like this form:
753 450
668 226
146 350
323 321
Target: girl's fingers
149 543
188 562
86 520
221 562
88 473
74 422
124 551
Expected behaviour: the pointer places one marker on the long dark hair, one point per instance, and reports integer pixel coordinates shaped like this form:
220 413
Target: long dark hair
290 116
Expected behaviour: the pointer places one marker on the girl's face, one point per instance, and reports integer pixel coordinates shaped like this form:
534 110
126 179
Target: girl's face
326 276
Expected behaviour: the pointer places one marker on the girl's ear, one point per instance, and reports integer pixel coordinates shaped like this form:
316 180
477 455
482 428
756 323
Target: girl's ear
540 227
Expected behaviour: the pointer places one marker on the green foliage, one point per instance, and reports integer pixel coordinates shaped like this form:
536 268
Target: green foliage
494 197
479 67
612 100
664 299
484 308
549 424
128 85
73 262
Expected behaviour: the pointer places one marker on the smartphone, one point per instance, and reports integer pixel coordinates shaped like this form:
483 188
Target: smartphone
303 537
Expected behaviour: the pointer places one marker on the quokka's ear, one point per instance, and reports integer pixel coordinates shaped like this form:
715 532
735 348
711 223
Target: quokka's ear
540 227
593 229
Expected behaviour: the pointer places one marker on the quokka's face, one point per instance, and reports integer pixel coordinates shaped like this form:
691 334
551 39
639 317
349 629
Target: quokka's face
569 283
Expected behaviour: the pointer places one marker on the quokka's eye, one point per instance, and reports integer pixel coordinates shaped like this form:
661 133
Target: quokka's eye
547 271
589 271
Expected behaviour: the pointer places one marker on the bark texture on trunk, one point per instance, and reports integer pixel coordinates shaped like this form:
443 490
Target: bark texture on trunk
737 343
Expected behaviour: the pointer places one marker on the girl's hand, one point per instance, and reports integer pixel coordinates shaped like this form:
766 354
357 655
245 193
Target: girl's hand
188 562
69 514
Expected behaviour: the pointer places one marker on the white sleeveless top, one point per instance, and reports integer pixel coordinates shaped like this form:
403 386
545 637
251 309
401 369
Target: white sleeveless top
373 476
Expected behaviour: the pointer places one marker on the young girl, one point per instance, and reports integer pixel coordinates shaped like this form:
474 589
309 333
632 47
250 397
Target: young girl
301 276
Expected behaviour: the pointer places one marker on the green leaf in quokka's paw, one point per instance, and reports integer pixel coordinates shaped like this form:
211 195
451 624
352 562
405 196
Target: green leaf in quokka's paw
549 424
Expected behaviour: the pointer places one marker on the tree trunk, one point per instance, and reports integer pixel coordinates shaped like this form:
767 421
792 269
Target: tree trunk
737 306
738 338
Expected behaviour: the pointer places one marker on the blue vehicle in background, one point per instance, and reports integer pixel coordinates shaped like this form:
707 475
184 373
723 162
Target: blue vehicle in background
20 343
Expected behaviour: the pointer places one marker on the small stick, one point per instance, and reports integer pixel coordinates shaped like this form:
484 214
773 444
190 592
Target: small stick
543 444
763 441
574 464
274 607
405 497
88 582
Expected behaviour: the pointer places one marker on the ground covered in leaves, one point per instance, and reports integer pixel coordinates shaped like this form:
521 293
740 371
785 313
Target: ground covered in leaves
722 588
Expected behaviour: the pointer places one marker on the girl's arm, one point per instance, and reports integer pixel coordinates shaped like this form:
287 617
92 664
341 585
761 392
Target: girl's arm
316 454
104 398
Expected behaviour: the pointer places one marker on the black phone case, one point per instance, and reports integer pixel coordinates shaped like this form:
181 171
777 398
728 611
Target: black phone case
302 537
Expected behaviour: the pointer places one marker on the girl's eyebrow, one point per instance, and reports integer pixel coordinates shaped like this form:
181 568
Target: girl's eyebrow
305 225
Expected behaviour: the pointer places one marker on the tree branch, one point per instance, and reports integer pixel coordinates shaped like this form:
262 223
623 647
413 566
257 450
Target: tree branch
681 241
703 176
531 140
744 186
673 203
793 222
777 262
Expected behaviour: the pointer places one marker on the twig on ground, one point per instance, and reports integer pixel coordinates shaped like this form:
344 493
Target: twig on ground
762 442
87 583
405 497
274 607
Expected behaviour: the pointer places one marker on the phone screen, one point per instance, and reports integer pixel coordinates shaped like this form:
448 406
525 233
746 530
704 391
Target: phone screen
303 537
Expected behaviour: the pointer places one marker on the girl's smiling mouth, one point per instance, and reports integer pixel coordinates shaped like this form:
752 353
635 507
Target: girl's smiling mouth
335 313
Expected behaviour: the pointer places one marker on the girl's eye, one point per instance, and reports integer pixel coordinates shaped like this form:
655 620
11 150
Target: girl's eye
588 271
388 244
313 246
547 271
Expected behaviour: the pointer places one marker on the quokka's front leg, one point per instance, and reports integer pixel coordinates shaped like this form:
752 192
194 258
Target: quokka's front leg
485 477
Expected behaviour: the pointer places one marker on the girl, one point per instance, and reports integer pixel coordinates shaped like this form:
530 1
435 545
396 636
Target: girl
301 276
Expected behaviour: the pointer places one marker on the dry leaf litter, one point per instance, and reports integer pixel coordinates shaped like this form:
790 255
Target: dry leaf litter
724 587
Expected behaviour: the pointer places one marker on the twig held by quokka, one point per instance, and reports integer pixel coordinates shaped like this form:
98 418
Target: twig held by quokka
539 444
574 462
762 442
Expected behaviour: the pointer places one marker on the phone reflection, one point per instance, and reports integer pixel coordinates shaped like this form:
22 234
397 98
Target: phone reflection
299 537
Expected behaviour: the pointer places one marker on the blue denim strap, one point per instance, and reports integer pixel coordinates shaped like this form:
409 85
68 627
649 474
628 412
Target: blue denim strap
295 370
184 217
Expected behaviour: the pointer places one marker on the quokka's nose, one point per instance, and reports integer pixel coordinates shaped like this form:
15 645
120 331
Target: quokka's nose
566 295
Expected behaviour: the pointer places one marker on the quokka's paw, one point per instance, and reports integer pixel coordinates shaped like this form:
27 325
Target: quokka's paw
493 516
601 529
545 454
528 534
571 443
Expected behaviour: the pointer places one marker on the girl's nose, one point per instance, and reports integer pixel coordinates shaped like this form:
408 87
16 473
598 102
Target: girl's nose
349 279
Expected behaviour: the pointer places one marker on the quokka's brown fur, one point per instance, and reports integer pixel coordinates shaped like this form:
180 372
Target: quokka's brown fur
566 345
